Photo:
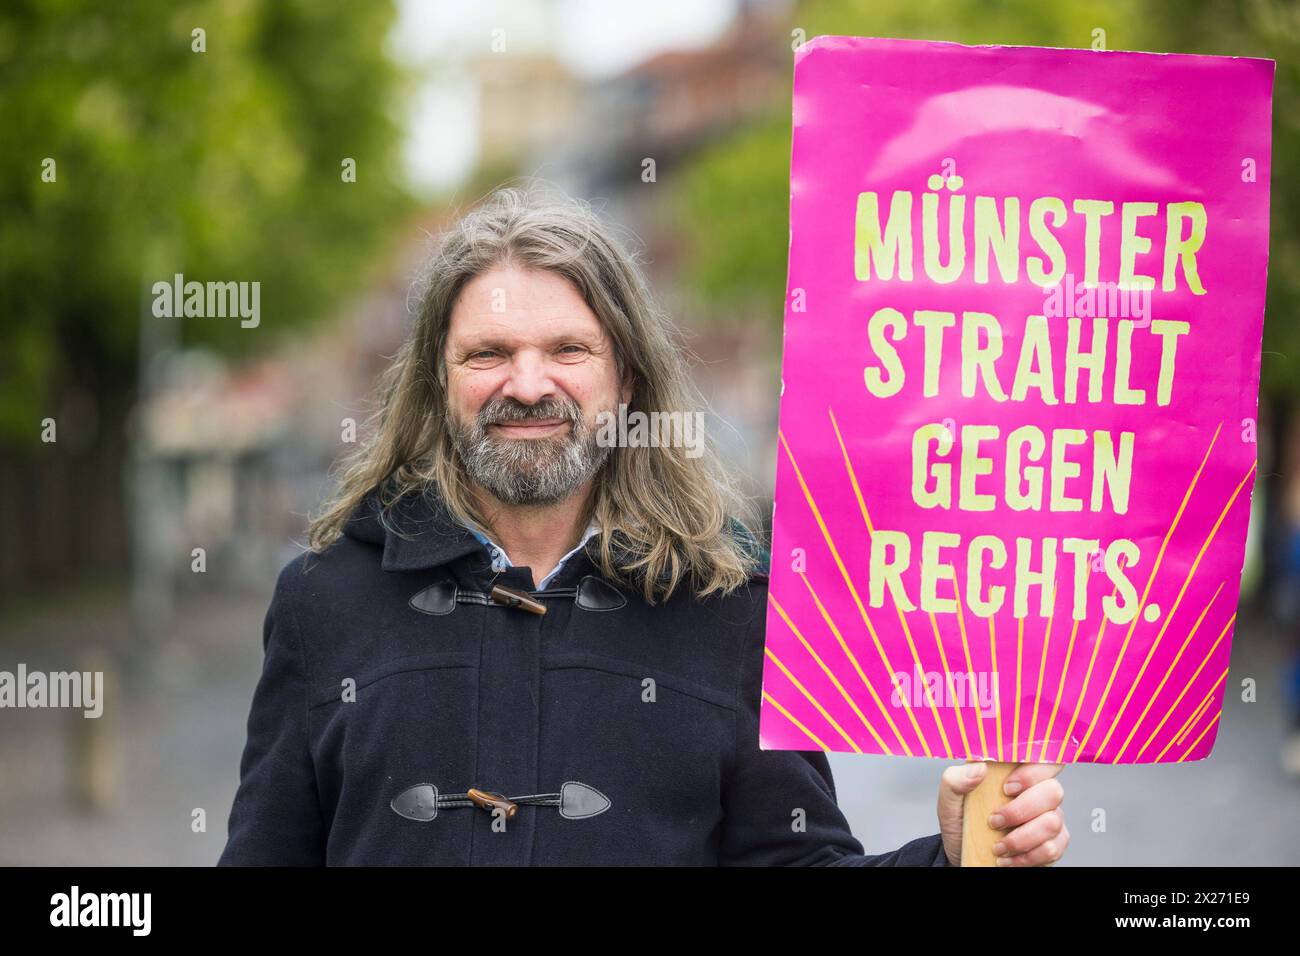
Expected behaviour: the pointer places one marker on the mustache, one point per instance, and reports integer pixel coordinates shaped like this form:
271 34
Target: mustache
509 410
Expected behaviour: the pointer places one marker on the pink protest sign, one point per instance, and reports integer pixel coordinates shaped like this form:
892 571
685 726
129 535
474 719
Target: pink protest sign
1019 390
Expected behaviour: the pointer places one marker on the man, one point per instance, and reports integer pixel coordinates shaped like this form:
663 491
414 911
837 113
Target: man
513 644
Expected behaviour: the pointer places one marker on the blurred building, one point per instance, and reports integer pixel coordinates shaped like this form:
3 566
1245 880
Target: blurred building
673 104
527 103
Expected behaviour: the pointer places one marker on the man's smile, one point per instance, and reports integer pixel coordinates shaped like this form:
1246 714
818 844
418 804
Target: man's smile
533 428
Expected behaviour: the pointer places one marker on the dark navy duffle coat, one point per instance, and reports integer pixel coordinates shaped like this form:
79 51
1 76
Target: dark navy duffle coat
406 716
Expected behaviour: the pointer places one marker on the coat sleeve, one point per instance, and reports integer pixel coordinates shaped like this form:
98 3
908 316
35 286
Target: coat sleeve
276 818
768 793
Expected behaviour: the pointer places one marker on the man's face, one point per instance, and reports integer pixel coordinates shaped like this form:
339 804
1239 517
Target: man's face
529 366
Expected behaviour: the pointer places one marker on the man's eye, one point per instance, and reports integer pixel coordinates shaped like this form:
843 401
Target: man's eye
578 349
485 353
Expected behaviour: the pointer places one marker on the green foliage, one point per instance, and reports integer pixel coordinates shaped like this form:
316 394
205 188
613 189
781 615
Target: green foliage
223 165
735 195
1272 30
733 204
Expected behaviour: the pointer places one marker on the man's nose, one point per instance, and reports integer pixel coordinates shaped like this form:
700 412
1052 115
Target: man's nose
530 380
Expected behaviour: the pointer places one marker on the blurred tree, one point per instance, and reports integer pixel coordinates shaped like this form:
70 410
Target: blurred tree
1270 29
136 147
735 198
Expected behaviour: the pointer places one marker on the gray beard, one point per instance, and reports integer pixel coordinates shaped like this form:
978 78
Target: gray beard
528 471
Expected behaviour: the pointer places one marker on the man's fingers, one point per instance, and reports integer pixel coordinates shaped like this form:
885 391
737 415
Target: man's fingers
1019 780
1029 835
1045 854
1035 801
1028 774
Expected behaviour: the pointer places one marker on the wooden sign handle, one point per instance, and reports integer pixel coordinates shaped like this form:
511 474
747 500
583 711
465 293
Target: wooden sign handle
977 837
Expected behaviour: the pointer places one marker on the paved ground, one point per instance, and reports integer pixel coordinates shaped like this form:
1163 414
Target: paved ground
177 736
179 731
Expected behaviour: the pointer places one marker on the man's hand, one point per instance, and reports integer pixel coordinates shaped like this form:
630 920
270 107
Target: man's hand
1036 833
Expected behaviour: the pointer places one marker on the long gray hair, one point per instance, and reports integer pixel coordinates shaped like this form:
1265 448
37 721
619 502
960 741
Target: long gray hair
664 515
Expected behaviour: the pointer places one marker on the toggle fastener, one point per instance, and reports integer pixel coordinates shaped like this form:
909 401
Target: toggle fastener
575 801
492 801
512 598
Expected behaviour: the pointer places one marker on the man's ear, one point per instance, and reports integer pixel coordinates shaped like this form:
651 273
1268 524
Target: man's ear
629 380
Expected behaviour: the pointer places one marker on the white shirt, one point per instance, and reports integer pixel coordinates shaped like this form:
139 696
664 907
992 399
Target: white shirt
501 561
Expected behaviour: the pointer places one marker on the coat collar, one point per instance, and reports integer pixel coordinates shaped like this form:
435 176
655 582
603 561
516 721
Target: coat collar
418 533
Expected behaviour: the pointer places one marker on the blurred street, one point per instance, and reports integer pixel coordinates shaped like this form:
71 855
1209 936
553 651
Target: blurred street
177 719
156 464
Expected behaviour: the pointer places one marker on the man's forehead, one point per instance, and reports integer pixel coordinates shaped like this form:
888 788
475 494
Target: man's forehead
531 287
545 313
524 323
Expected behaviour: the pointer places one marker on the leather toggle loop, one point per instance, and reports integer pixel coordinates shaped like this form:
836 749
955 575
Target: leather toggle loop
575 801
438 598
418 803
591 594
596 594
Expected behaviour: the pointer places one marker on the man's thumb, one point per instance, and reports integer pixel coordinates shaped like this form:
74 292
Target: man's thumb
957 781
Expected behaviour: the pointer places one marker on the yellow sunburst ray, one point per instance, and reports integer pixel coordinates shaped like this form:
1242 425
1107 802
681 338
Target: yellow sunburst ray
1155 694
1191 573
1087 677
947 675
1020 654
831 674
1190 682
853 591
813 700
1042 668
1191 721
795 720
970 669
997 697
848 652
902 620
1146 592
1187 723
1060 691
1197 741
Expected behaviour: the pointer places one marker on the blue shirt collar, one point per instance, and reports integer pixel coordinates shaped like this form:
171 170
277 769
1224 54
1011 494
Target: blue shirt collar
501 560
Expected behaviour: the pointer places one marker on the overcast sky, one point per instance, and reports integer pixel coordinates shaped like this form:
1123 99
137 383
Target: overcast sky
592 37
